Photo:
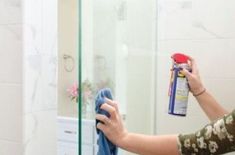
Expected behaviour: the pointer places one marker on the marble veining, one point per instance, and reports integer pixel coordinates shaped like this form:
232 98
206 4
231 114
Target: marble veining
40 69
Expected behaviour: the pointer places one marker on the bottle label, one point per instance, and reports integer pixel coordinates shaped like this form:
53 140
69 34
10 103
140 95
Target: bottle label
181 95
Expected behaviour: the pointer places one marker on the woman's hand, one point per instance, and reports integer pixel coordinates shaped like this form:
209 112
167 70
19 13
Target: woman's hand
112 127
195 84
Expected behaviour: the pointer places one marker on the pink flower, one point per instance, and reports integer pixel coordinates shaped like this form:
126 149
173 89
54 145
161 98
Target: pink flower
73 90
87 92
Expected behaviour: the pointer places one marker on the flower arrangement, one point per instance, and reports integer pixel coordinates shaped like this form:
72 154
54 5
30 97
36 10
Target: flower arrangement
87 95
89 91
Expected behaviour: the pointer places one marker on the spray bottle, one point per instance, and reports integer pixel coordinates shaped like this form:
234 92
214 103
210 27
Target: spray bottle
179 88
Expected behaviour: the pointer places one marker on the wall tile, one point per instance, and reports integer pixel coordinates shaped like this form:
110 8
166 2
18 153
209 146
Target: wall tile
40 27
11 54
49 27
40 131
222 89
10 12
40 83
10 148
215 58
11 112
40 76
188 19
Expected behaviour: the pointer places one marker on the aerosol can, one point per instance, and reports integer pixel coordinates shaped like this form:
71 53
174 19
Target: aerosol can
179 88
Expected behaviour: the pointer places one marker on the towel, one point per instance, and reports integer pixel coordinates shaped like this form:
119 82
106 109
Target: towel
105 146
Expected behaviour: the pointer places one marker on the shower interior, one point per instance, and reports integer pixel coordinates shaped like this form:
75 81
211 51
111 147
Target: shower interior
118 51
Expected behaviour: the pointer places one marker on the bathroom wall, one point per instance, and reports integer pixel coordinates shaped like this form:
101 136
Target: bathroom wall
40 77
11 114
140 38
204 30
28 77
67 46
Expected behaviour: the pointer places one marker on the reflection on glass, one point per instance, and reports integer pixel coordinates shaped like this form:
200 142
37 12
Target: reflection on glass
67 128
118 52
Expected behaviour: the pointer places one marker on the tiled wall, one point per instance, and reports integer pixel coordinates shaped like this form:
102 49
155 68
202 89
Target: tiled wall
10 77
40 76
204 30
28 57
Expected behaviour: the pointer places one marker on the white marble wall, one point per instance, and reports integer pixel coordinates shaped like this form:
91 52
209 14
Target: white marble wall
11 77
40 76
204 30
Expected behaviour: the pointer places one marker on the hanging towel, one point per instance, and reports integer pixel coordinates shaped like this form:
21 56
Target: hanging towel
105 146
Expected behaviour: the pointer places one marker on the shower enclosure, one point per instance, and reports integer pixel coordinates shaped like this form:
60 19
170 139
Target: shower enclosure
104 44
117 49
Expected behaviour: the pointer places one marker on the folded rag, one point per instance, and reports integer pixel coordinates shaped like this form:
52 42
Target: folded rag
105 146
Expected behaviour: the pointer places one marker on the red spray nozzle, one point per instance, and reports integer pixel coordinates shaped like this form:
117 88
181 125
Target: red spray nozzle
180 58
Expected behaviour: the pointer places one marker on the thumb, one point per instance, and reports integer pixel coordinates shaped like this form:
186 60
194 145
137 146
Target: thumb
186 73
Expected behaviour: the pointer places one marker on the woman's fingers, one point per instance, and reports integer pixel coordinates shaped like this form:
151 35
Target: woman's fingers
186 73
103 119
101 127
193 65
112 103
110 109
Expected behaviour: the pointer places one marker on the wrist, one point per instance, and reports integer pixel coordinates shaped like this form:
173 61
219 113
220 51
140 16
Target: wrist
121 141
198 93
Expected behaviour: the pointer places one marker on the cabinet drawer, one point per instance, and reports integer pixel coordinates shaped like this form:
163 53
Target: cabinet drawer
68 130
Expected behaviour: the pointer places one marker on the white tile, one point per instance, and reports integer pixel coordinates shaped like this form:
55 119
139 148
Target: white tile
40 82
215 58
33 23
40 27
11 112
10 148
40 132
10 11
188 19
169 124
215 17
175 21
222 90
49 27
11 54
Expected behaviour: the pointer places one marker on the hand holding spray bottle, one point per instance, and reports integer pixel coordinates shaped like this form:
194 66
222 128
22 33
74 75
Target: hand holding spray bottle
179 88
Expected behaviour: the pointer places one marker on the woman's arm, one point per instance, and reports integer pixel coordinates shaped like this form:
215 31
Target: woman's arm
207 102
150 145
210 106
137 143
215 138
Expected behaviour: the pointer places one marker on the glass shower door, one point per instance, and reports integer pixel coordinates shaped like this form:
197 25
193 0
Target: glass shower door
118 51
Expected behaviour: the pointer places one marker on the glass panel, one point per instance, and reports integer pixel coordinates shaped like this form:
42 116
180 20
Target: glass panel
68 73
118 52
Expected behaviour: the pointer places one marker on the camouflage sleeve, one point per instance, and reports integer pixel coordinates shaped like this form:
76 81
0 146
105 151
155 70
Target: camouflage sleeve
215 138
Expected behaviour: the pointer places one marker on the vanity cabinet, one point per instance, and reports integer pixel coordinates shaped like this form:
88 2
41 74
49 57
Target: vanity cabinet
67 134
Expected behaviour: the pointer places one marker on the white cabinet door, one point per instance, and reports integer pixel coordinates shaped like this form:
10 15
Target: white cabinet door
87 150
67 149
71 149
68 133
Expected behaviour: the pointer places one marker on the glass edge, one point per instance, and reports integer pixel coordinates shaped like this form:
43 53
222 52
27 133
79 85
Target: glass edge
80 77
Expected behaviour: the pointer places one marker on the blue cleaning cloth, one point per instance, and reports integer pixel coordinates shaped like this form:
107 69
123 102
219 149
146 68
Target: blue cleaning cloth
105 146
